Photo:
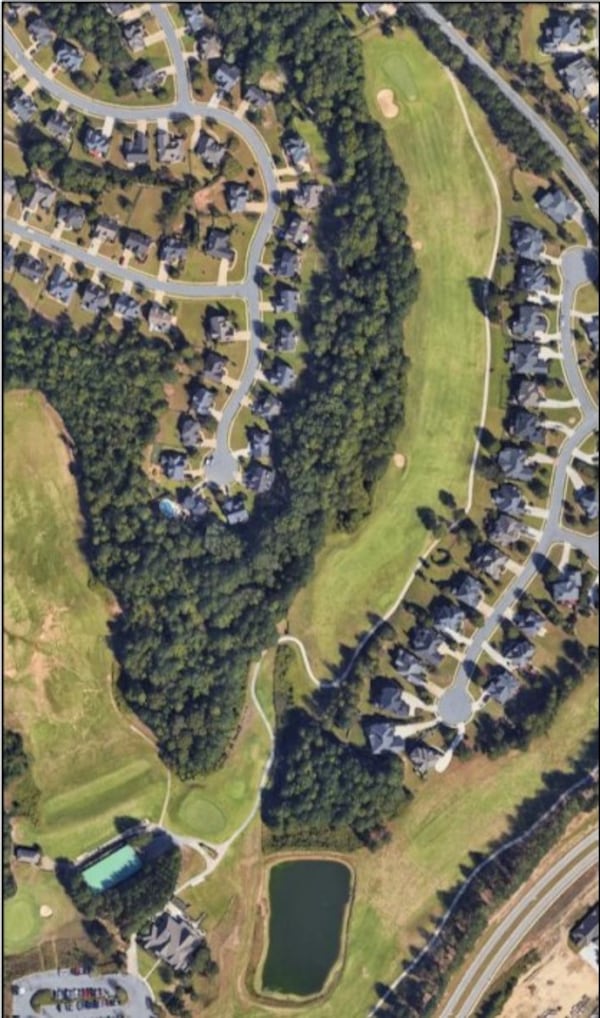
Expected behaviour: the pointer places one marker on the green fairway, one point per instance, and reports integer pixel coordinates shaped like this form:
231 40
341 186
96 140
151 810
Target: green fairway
24 927
88 764
199 815
21 921
452 218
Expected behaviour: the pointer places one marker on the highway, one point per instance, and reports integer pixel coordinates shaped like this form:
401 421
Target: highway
507 936
573 170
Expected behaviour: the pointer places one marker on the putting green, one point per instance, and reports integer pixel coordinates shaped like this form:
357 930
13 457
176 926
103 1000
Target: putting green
21 921
200 816
397 70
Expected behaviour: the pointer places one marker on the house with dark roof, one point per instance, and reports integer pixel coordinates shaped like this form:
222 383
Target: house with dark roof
507 498
388 696
58 126
134 35
488 559
218 327
426 643
259 478
591 328
296 149
297 231
525 426
215 366
173 939
236 196
281 375
195 506
527 241
287 263
524 359
202 400
68 56
585 931
61 286
95 299
194 18
423 758
504 530
518 651
384 738
308 195
127 307
579 78
71 216
30 267
502 686
135 149
257 97
28 853
560 32
259 443
528 321
22 106
513 463
190 431
556 205
266 405
173 464
218 244
143 76
138 243
172 250
566 590
234 510
591 112
160 318
170 148
286 336
409 666
106 229
531 277
40 32
587 498
466 589
95 143
286 300
530 622
446 615
210 46
226 77
43 196
8 257
211 152
525 392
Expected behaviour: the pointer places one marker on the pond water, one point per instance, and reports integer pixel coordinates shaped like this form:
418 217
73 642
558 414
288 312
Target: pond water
307 899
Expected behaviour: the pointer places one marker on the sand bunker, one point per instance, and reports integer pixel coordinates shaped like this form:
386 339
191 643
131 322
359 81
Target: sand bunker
385 101
45 911
399 460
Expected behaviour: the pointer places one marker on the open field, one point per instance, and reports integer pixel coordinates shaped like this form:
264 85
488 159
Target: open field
88 764
452 218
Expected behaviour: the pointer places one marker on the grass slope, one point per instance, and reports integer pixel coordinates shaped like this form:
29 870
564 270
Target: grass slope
88 764
452 215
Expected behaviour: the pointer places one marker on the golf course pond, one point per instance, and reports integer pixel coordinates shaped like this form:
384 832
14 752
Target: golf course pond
309 904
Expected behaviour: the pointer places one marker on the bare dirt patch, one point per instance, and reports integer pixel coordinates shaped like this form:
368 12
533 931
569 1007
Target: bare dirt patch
385 101
273 81
208 196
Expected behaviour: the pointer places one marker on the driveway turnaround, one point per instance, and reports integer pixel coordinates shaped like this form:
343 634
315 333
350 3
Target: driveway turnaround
139 999
222 468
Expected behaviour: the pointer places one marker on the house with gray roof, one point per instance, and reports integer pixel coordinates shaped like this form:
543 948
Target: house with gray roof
127 307
32 268
170 148
40 32
527 241
143 76
58 126
286 263
513 463
585 931
505 530
195 506
286 336
409 666
530 622
202 400
579 78
524 359
591 328
139 243
214 366
286 300
28 853
556 205
423 758
281 375
218 244
43 196
234 510
528 321
297 231
172 250
173 939
488 559
266 405
194 18
518 651
383 738
210 151
95 143
466 589
508 498
173 464
22 106
446 615
135 149
8 257
190 431
257 97
591 112
218 327
587 498
236 196
68 56
71 216
210 46
426 643
296 149
95 299
560 32
106 229
134 35
566 590
160 318
531 277
259 478
259 443
61 286
502 687
226 77
525 426
308 195
525 392
387 695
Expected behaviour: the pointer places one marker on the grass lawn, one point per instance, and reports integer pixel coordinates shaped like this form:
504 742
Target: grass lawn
89 766
23 925
451 217
13 160
586 299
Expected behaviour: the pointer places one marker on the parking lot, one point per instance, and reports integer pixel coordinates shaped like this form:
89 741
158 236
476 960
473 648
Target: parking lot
68 992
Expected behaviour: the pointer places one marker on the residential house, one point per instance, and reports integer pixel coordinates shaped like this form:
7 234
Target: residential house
257 97
259 443
58 126
488 559
566 590
172 250
234 510
281 375
530 622
194 18
202 400
586 930
218 327
43 196
190 431
9 185
286 336
135 149
173 939
371 10
286 300
579 78
561 32
556 205
423 758
138 243
513 463
210 46
22 106
117 9
8 257
384 738
524 359
387 695
95 299
40 32
505 530
211 152
96 143
106 229
426 643
297 150
170 148
134 35
308 195
215 366
61 286
446 615
466 589
196 506
266 405
297 231
259 478
524 425
502 687
508 499
226 77
525 392
144 77
28 853
32 268
218 244
127 307
518 651
528 321
286 264
236 196
527 241
68 56
592 112
587 498
531 277
591 328
173 464
160 318
71 216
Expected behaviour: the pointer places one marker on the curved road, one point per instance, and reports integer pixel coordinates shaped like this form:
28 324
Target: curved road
507 936
574 171
222 468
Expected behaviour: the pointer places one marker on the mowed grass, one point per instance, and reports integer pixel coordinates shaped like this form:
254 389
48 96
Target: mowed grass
24 927
88 764
452 220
